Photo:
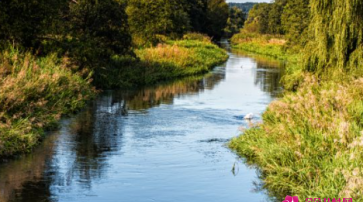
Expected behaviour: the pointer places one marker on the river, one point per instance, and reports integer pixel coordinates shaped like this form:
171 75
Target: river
163 143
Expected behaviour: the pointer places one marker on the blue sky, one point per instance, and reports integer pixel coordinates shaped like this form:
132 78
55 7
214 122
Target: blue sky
243 1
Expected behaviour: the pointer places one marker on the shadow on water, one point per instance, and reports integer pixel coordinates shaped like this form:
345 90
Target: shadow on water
82 153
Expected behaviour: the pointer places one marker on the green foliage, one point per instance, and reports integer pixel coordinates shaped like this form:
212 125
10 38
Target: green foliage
197 37
295 20
207 16
34 93
283 17
149 18
235 21
335 36
257 20
95 32
266 45
179 59
27 23
101 24
217 15
245 7
274 17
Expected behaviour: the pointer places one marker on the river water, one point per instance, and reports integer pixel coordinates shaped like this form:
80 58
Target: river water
163 143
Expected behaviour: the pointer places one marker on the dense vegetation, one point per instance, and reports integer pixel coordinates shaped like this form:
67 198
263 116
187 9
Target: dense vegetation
34 93
52 53
310 142
284 17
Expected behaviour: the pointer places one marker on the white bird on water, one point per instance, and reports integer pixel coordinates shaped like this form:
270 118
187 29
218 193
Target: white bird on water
249 116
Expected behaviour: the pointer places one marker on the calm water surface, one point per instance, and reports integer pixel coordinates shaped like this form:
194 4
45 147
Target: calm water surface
164 143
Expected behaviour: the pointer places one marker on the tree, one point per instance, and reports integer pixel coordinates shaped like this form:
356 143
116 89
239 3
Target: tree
258 19
295 20
96 31
274 17
150 18
197 13
217 15
335 36
235 21
27 23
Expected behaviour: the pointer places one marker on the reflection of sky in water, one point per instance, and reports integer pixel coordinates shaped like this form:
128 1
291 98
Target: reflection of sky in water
162 143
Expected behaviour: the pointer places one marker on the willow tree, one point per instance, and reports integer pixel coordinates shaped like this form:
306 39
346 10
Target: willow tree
336 36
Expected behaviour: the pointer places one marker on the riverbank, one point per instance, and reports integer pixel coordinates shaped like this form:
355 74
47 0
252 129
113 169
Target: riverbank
310 141
36 92
266 45
175 59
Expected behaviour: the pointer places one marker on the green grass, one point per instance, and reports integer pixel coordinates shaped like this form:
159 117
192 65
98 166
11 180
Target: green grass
176 59
34 94
166 61
266 45
310 143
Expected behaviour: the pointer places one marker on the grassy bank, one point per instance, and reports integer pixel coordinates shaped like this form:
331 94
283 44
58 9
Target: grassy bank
310 143
34 93
166 61
179 58
267 45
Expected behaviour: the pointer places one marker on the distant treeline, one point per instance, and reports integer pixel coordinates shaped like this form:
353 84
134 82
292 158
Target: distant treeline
245 7
283 17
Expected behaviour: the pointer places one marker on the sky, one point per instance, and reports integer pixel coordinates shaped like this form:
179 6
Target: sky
243 1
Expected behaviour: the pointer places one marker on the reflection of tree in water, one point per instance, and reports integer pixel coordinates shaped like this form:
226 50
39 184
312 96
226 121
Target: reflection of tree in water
268 72
165 93
268 78
23 179
97 134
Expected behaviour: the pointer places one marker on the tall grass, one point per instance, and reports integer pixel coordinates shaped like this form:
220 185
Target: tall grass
311 141
34 93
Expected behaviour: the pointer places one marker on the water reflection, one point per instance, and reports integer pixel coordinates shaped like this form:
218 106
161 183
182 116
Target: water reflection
103 139
142 99
21 174
268 73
